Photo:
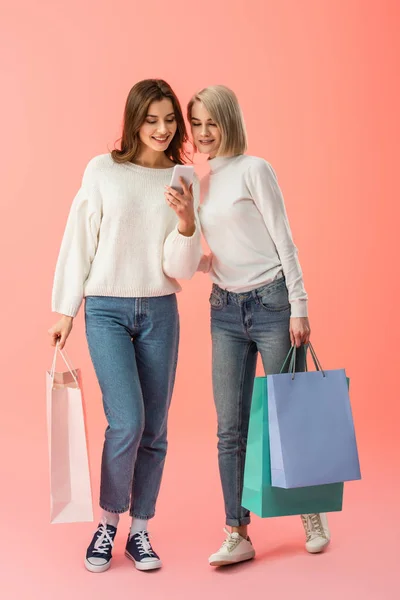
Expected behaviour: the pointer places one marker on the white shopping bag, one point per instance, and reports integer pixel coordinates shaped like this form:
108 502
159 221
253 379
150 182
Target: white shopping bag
70 491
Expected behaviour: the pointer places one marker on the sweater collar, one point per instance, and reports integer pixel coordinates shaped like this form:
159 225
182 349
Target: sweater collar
220 162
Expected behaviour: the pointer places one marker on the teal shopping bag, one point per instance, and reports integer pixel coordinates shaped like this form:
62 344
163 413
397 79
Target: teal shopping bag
258 494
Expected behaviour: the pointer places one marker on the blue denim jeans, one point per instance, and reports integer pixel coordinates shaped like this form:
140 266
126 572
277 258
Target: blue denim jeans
133 343
241 326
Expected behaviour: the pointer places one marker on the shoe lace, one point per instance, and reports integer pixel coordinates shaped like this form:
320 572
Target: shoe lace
104 540
231 541
143 543
313 526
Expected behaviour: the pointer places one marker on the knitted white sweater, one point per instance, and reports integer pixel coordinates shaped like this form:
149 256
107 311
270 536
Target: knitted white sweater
121 237
244 221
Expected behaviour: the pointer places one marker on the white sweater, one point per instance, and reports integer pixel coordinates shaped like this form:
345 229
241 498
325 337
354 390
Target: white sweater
121 237
244 221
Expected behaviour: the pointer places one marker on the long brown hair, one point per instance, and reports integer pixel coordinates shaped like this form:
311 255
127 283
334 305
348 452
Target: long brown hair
137 105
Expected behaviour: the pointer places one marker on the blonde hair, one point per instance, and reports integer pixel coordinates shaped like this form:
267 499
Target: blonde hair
225 111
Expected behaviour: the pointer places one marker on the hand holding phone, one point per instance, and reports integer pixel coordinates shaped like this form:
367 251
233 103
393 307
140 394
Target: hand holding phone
181 199
184 171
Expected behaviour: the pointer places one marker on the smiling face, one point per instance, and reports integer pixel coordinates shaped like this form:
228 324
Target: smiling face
159 126
206 133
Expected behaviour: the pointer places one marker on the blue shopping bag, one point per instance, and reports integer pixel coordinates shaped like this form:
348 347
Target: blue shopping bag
311 429
258 494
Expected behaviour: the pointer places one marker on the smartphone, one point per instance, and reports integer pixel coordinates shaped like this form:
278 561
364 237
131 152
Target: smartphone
185 171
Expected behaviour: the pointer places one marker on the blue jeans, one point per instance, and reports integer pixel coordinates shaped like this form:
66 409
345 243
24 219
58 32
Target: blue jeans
133 343
241 326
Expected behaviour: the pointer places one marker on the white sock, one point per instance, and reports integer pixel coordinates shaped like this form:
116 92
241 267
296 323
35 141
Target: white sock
110 518
138 525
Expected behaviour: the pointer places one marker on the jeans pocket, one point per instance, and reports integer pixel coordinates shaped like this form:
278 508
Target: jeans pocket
276 299
216 301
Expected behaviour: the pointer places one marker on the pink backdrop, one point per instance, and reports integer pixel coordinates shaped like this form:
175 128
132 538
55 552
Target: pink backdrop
318 84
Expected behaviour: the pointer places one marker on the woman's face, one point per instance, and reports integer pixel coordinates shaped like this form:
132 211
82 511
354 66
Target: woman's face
205 132
160 126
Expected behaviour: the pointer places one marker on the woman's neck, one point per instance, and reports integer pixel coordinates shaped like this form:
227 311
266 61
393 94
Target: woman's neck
152 159
216 155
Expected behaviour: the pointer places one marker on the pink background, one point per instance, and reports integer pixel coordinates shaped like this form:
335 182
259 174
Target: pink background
318 83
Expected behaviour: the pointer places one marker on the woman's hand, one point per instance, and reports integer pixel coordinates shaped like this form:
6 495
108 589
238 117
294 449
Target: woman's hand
205 263
299 331
183 205
60 331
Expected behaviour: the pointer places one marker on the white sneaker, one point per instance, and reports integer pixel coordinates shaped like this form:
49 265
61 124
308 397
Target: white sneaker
317 532
235 549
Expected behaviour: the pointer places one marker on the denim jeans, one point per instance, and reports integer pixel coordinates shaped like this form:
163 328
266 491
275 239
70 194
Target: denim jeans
133 343
241 326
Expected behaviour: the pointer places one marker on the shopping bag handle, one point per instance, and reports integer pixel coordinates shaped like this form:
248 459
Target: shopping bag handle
289 355
67 361
315 358
292 364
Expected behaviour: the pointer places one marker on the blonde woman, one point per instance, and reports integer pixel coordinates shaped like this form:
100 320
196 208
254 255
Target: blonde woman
258 300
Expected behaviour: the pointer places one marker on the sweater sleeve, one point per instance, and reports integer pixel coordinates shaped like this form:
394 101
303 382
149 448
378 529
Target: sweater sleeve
268 198
182 254
78 249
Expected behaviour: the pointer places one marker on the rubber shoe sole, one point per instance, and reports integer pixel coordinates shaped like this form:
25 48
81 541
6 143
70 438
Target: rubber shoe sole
319 549
144 566
234 560
97 568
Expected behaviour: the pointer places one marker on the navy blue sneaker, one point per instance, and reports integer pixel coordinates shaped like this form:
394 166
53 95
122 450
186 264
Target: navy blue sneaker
99 554
138 548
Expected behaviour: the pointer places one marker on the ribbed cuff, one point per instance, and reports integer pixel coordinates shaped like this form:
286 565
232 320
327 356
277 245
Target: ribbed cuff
66 308
299 308
184 240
